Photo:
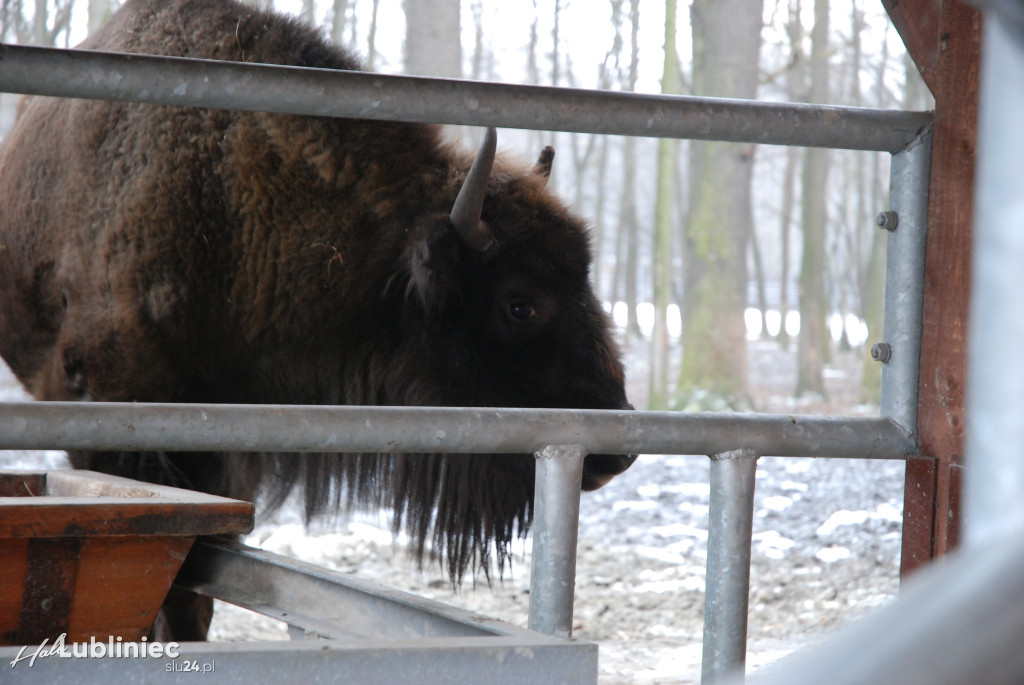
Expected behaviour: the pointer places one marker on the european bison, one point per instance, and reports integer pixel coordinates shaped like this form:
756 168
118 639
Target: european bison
189 255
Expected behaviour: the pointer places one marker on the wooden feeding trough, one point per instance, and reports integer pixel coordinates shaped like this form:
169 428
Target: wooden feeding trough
91 555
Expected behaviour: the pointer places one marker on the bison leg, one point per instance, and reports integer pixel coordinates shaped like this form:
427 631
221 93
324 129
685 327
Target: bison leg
184 617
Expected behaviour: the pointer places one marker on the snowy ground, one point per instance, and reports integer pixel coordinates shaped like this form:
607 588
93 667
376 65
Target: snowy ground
825 550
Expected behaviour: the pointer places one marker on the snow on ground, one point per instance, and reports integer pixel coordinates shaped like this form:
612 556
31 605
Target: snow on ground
826 548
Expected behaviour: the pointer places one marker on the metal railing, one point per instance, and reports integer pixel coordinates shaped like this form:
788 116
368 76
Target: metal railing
365 95
559 438
961 620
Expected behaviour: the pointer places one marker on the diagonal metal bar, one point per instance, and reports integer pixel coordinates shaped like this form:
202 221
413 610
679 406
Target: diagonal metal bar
331 604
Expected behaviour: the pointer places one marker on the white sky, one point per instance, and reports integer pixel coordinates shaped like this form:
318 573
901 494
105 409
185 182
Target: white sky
586 30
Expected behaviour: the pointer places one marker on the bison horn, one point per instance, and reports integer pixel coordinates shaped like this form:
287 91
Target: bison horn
465 217
543 165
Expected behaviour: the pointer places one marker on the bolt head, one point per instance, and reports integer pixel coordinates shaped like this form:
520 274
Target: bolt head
888 220
881 352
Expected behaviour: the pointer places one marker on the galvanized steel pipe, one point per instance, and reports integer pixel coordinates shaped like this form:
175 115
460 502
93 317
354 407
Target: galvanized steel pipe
556 517
293 428
365 95
727 581
960 621
904 282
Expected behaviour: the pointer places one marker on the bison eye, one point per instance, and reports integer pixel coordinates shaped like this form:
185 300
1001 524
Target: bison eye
521 310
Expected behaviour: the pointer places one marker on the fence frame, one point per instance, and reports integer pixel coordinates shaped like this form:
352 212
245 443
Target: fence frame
560 438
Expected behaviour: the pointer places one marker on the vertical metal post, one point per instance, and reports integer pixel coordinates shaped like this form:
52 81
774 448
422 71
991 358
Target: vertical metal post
730 522
556 517
904 281
994 483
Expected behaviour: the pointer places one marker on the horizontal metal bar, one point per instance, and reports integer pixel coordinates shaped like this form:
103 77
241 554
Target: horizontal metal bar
331 604
323 92
513 660
293 428
957 622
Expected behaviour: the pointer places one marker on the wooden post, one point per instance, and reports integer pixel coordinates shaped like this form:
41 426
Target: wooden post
943 39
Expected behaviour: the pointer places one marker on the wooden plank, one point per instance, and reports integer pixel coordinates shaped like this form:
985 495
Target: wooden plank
949 59
919 500
121 584
917 22
82 503
49 582
92 555
83 483
85 587
78 517
13 562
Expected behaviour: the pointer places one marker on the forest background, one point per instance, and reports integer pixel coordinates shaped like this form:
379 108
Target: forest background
700 247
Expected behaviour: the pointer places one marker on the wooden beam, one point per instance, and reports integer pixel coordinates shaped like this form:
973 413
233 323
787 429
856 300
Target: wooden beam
943 38
917 22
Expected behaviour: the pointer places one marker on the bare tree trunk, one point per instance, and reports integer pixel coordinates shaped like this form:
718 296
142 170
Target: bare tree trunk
433 45
581 159
40 33
617 285
627 208
726 46
662 257
606 78
786 222
600 225
811 349
556 57
762 297
533 68
795 89
857 27
371 40
477 71
99 12
15 22
339 10
628 225
556 61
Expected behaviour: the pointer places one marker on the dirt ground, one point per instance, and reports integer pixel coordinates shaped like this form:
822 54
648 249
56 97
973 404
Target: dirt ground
826 547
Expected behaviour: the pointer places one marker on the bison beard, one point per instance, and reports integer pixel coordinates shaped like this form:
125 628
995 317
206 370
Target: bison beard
191 255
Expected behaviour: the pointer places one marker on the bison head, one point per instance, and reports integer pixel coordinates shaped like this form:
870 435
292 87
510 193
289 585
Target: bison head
494 309
499 298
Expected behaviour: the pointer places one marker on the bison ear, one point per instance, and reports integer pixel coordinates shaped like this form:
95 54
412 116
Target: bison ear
543 166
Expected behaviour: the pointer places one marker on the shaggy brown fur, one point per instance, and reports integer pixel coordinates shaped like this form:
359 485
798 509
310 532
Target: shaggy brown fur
188 255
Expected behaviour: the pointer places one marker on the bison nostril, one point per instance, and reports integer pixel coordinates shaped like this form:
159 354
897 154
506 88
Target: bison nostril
598 469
